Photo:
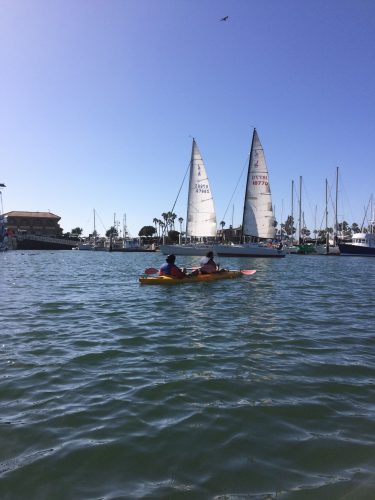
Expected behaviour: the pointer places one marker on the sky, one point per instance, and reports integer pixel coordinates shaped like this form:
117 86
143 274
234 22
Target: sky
100 100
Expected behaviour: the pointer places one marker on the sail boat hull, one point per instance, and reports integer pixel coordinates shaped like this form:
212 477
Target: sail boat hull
194 250
247 250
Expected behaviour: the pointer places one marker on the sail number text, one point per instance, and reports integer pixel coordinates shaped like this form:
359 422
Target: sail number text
259 180
202 188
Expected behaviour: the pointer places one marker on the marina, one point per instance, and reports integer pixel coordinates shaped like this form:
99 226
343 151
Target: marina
173 178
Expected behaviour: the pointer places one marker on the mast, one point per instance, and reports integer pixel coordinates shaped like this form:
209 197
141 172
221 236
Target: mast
300 210
291 229
190 168
315 231
335 238
327 235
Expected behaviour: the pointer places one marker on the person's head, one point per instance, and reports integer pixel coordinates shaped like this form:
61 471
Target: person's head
210 255
171 258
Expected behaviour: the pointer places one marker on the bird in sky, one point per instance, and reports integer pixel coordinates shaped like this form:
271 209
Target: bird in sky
224 18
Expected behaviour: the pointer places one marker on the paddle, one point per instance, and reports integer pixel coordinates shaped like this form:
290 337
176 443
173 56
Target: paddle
151 270
246 272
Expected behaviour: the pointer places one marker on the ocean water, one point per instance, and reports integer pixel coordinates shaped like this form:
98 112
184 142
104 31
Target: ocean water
260 387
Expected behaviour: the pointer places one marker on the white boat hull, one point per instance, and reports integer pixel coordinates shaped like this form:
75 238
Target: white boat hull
356 250
247 250
194 250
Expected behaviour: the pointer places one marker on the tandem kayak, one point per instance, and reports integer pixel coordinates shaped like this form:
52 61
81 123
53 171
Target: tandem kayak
169 280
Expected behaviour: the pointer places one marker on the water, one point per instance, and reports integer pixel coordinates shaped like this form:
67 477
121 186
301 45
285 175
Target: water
260 387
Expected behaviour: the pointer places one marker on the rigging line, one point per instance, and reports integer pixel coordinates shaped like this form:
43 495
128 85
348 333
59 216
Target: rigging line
235 189
100 220
179 191
178 194
306 196
365 216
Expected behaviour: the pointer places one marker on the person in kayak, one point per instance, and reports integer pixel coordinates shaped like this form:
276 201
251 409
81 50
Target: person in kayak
169 268
208 265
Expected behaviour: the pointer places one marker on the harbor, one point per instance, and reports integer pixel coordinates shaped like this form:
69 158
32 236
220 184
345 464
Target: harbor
187 243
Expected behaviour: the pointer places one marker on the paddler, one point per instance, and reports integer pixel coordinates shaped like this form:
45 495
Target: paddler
170 269
208 265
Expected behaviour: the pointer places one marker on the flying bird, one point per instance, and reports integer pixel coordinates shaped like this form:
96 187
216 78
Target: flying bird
224 18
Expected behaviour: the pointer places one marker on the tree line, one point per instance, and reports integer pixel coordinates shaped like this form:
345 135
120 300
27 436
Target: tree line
165 227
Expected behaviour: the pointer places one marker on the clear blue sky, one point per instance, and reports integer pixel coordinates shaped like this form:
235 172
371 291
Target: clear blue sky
100 99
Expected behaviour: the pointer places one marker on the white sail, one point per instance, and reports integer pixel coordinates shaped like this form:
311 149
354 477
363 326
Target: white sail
258 217
201 217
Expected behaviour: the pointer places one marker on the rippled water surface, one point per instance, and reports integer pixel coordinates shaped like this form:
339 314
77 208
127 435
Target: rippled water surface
260 387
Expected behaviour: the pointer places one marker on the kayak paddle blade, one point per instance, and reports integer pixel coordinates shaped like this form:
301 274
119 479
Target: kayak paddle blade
151 270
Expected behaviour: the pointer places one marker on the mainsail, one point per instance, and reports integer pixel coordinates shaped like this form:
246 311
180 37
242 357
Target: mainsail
201 217
258 217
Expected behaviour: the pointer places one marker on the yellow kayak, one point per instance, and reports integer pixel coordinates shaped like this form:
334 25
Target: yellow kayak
168 280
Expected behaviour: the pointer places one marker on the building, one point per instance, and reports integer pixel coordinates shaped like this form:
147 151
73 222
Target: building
34 231
37 223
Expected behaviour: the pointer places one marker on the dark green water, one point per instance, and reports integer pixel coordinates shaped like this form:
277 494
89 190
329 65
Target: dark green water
261 387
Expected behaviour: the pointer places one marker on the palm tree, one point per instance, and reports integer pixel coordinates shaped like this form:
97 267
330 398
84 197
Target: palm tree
161 226
172 217
165 216
156 222
180 220
355 228
222 224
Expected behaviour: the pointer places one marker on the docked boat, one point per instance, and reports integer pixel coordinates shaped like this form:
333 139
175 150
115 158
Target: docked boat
199 278
258 223
362 244
330 249
201 216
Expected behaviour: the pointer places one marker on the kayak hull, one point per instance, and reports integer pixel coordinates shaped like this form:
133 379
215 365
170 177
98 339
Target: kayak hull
168 280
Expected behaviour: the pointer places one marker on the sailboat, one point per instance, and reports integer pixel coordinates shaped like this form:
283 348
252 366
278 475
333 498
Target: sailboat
258 221
92 243
201 216
328 248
